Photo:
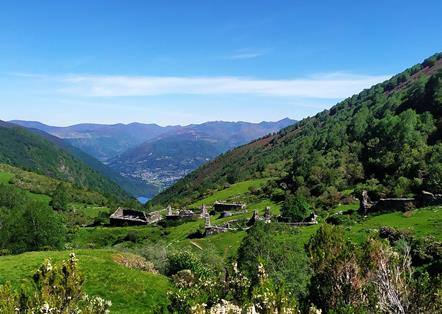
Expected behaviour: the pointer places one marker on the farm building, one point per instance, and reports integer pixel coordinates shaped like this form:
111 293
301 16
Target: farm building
131 217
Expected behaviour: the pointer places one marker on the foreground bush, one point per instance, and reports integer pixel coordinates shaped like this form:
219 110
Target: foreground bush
276 247
373 277
233 294
54 289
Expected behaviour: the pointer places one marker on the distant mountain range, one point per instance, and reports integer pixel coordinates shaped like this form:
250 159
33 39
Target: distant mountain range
153 156
99 140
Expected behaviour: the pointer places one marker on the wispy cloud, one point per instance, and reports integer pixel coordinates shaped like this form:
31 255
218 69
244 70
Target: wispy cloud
323 86
243 54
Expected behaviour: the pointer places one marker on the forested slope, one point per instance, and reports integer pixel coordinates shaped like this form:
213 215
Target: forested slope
386 139
22 148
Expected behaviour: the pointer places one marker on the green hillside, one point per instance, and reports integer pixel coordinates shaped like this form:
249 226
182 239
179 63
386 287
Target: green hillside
43 187
130 290
22 148
386 139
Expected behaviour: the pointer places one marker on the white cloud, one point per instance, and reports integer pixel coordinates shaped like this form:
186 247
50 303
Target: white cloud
323 86
246 53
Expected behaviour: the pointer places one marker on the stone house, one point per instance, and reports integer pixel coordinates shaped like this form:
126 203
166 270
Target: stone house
131 217
128 217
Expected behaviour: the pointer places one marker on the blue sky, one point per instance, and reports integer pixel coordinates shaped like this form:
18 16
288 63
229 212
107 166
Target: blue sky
179 62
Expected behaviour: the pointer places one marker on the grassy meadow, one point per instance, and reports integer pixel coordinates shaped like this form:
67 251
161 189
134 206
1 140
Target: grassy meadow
130 290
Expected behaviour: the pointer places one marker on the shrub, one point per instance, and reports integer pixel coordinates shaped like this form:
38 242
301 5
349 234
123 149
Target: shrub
134 262
185 260
373 187
295 208
60 197
337 279
156 253
102 219
340 220
276 248
277 195
350 278
434 181
330 198
235 294
32 227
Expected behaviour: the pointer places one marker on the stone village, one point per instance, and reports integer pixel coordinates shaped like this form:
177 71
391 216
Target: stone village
130 217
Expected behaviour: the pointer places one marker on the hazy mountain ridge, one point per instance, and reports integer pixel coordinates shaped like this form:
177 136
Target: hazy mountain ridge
152 157
100 140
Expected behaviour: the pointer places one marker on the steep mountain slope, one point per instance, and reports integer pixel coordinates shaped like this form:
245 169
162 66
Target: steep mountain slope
34 152
387 138
167 158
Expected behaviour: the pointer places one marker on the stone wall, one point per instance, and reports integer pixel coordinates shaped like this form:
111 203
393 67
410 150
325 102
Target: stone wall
424 199
430 199
221 207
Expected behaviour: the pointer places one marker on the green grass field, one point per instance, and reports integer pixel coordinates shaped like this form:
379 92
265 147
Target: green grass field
5 177
131 291
90 211
237 189
421 223
106 237
39 197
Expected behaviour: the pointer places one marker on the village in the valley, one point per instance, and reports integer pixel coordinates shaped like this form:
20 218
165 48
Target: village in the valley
131 217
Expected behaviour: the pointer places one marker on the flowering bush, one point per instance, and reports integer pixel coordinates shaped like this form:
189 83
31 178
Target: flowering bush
235 294
352 278
191 291
55 289
268 298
